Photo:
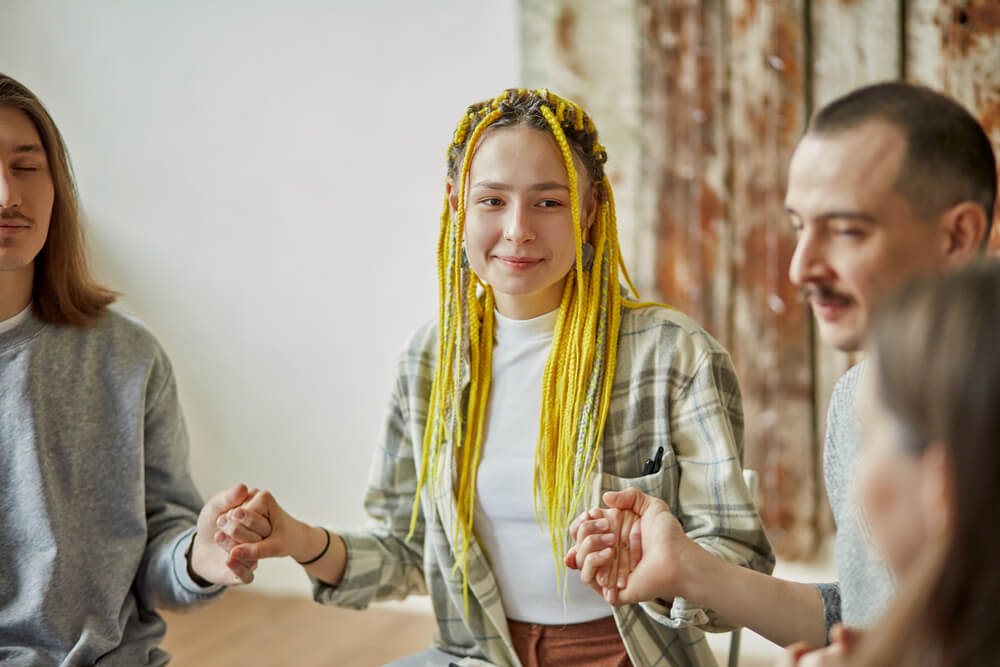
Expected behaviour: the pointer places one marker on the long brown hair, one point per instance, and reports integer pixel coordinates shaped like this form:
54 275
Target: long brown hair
937 370
63 291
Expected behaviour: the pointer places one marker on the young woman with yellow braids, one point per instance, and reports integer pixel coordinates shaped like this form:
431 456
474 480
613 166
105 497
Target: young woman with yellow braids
538 385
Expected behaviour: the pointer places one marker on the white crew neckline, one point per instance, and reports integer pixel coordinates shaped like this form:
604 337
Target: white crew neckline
13 322
541 327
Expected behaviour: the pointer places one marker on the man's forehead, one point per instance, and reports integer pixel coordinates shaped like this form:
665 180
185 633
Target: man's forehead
17 133
846 167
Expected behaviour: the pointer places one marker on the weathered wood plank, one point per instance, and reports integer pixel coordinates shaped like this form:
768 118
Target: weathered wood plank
954 46
771 342
685 158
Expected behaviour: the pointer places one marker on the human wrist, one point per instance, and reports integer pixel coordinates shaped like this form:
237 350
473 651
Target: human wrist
189 558
697 572
322 552
310 542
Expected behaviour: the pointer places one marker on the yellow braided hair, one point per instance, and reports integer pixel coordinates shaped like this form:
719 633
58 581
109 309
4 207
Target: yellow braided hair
576 385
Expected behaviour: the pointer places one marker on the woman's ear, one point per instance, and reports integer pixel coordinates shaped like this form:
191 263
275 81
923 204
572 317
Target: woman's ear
452 193
937 492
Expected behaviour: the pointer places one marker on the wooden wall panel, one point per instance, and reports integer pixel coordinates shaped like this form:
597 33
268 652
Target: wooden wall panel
771 339
685 158
954 46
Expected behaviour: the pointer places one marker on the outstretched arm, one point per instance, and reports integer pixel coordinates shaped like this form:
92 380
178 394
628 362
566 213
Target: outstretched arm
672 565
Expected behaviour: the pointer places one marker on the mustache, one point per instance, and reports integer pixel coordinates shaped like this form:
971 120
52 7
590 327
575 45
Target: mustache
821 292
15 215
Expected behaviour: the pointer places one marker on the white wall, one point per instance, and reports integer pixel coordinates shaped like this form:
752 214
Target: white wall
263 181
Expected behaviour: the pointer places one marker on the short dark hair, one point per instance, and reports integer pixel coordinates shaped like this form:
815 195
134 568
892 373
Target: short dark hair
948 156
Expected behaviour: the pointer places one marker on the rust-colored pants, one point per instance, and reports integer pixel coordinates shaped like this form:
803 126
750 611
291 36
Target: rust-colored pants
591 644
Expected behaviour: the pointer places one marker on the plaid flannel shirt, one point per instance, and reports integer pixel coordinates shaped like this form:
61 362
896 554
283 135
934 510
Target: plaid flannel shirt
674 387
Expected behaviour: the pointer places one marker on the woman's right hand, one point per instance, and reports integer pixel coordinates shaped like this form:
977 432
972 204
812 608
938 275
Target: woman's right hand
287 537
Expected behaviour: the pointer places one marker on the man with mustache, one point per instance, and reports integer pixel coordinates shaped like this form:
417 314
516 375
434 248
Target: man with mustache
99 508
890 180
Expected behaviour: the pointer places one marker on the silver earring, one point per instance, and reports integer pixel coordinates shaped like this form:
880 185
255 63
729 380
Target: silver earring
465 258
587 253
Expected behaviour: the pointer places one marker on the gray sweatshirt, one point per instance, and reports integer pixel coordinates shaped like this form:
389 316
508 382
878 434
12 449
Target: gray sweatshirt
97 502
865 584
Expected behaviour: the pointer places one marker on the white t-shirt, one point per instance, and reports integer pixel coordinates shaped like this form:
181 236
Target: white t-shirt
12 322
520 550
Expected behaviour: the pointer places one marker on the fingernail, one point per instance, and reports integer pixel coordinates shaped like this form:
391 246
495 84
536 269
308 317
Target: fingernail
238 514
608 538
621 581
601 524
221 521
219 538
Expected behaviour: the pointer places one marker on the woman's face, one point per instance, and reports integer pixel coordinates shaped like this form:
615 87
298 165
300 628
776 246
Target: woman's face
519 224
891 484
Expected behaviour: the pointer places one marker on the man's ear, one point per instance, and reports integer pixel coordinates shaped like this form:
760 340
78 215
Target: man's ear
964 225
452 193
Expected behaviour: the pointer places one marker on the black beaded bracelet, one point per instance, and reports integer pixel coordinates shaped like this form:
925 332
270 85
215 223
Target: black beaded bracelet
321 553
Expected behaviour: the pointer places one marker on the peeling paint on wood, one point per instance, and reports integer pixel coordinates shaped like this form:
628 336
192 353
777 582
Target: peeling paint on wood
771 344
684 129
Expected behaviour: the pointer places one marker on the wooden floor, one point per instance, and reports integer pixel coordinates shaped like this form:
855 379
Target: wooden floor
252 629
249 629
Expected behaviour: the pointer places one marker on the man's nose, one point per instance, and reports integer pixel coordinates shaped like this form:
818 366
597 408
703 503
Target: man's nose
809 261
9 196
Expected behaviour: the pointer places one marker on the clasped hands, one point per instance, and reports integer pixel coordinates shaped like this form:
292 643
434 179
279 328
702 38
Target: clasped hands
633 550
238 527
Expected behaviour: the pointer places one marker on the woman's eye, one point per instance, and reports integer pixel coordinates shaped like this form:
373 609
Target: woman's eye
25 168
549 203
491 201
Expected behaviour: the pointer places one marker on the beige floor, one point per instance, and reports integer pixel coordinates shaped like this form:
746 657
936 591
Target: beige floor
252 629
245 628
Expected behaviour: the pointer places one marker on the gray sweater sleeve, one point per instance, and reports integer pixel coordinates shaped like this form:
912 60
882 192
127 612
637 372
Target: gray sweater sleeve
830 592
172 501
864 584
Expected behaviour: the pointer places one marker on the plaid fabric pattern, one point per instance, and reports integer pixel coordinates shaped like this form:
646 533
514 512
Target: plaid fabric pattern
674 387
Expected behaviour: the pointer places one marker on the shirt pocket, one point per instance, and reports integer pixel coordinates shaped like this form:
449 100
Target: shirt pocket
653 483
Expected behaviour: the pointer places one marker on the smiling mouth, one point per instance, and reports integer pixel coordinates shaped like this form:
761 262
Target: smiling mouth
519 261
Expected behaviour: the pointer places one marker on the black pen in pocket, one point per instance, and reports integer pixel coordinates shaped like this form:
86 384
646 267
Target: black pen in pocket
653 465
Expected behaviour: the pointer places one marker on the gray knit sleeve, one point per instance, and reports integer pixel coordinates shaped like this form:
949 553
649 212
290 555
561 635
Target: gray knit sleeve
830 593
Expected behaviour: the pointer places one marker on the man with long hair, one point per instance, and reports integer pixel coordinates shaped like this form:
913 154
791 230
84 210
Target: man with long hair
99 508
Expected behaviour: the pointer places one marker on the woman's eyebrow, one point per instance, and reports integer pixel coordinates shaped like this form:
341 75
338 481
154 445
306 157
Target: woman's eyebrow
499 185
